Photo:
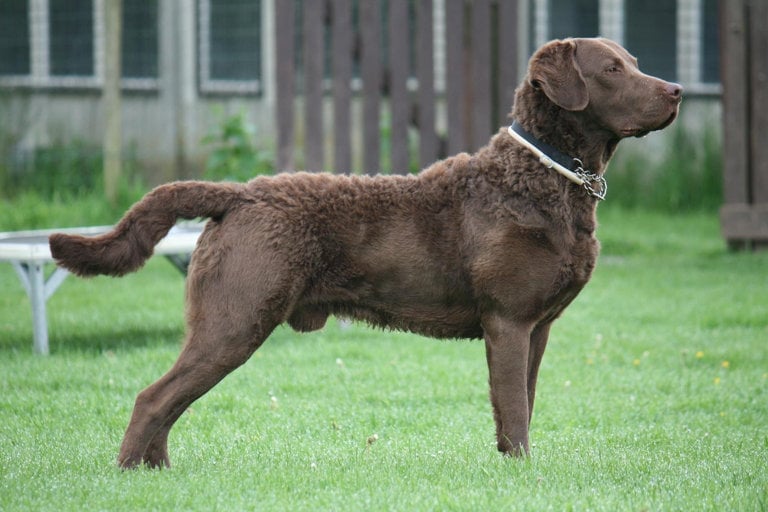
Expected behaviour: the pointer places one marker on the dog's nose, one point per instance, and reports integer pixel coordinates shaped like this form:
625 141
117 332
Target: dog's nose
674 90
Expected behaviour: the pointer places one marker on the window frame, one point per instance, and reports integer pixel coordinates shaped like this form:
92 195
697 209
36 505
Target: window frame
209 85
40 75
689 37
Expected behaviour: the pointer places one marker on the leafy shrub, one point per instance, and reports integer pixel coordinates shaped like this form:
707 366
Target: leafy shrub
235 157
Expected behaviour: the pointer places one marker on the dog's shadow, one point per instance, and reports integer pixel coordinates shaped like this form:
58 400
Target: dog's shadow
100 340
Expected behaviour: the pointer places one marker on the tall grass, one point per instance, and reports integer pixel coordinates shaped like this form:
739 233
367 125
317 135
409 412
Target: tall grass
61 186
687 176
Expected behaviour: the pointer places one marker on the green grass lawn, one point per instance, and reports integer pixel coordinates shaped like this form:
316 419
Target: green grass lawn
653 395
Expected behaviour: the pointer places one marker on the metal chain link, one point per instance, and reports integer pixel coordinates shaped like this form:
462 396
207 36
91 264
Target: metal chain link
590 178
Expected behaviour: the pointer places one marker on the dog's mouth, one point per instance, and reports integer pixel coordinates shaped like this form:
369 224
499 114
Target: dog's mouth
669 120
642 132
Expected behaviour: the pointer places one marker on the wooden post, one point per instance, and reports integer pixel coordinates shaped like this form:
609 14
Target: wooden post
455 76
744 60
426 74
508 62
113 13
370 69
285 76
480 69
399 103
342 87
313 85
758 78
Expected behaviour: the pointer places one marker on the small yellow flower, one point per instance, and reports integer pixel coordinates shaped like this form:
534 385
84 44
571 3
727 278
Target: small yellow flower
636 362
699 354
725 364
717 380
590 361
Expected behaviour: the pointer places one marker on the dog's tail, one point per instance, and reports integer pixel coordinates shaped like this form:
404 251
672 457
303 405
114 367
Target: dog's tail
132 241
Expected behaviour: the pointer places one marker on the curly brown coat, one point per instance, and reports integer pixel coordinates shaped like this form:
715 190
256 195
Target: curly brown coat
491 245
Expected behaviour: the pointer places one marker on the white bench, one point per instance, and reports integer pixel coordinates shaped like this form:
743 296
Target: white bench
28 252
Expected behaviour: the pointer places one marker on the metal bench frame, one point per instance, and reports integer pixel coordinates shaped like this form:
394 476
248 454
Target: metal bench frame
29 253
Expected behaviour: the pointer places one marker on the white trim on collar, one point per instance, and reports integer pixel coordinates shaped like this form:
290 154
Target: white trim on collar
580 176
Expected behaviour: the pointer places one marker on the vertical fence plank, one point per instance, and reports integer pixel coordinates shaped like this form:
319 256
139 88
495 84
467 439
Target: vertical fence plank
481 73
735 106
474 104
507 60
370 69
426 76
398 90
285 76
454 71
313 85
342 78
758 47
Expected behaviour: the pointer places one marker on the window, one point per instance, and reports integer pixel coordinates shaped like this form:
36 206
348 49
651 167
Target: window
14 38
230 45
71 37
52 43
673 39
573 18
710 62
650 34
140 39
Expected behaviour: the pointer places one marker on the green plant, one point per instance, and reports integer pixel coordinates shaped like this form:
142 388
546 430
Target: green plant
62 186
63 168
687 176
63 171
235 157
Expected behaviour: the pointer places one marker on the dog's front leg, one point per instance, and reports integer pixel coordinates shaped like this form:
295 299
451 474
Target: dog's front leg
507 343
539 338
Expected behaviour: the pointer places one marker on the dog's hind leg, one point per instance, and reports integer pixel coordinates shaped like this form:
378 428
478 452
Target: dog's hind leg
237 293
207 357
229 316
156 453
200 366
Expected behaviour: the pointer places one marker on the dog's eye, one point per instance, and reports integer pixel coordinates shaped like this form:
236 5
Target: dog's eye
613 68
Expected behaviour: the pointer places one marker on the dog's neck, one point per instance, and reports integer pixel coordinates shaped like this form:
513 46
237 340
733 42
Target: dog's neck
563 129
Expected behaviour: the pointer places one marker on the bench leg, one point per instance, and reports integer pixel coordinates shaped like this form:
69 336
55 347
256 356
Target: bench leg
32 276
180 261
37 298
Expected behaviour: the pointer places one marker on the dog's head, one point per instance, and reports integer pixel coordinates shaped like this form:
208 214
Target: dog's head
602 80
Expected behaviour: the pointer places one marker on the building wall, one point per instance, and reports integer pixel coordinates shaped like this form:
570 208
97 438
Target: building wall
166 116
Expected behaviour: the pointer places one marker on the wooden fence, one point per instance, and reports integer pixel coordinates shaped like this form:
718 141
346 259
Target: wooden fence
383 55
744 57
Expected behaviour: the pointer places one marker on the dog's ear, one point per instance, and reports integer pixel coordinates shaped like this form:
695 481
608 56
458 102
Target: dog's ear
554 70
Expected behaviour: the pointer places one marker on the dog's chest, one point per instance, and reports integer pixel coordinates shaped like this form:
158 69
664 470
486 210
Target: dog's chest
572 277
532 273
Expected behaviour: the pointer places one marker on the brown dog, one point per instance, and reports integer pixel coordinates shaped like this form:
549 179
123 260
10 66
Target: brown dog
490 245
